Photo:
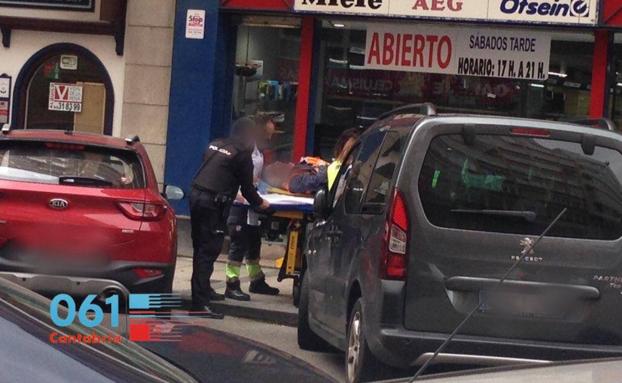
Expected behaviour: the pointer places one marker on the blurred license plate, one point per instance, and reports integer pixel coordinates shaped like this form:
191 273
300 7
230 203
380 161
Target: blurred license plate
518 304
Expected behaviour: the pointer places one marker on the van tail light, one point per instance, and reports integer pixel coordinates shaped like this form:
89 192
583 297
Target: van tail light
394 258
141 211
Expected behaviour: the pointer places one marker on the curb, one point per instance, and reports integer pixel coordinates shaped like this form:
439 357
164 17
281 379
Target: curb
272 316
264 265
283 318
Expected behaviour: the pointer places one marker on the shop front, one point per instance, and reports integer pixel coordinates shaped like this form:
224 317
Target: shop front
323 66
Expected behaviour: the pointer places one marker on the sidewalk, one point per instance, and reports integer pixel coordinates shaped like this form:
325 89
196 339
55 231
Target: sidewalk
278 309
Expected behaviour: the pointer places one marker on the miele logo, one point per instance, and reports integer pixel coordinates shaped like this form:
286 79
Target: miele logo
371 4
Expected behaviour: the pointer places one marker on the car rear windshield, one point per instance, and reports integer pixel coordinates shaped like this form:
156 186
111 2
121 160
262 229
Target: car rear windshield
70 164
518 185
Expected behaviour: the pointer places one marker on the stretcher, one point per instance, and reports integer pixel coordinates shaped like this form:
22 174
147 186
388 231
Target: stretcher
297 211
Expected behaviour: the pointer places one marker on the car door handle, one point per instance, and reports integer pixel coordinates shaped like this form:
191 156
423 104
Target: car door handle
473 284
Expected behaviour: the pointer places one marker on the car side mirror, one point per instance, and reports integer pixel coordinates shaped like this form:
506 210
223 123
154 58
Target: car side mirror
321 209
173 193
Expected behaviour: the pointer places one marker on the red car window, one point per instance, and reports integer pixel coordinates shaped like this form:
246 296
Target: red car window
70 164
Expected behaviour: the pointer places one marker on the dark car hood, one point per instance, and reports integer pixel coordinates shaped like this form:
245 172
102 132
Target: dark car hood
214 356
597 371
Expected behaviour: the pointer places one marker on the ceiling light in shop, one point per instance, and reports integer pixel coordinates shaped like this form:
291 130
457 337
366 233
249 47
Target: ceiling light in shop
270 21
557 74
339 25
337 61
619 84
358 67
536 85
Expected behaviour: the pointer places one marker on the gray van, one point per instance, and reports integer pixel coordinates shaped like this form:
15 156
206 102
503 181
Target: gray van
430 211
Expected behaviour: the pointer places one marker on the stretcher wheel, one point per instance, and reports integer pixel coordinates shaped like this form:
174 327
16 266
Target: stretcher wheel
296 291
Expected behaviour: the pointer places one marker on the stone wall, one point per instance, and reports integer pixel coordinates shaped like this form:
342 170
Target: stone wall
148 55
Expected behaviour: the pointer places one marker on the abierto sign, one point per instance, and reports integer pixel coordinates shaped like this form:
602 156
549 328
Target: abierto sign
521 11
486 52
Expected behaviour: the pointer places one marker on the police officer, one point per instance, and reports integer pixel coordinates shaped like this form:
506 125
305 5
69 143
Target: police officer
227 168
245 229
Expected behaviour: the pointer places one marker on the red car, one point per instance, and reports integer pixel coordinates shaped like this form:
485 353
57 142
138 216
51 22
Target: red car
81 213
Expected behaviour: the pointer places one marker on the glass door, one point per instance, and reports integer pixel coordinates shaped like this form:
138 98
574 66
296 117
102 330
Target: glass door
266 75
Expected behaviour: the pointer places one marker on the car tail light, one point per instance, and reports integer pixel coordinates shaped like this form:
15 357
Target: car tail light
63 146
142 211
394 259
530 132
142 272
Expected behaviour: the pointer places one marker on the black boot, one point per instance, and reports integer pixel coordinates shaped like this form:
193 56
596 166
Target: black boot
205 311
234 291
259 286
214 296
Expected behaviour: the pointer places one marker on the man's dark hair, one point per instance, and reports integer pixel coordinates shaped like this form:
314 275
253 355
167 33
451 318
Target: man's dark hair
242 127
343 138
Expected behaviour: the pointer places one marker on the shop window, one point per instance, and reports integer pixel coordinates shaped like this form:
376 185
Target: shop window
266 76
350 95
66 89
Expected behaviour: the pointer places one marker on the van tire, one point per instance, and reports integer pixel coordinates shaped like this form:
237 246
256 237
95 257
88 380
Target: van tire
307 339
361 364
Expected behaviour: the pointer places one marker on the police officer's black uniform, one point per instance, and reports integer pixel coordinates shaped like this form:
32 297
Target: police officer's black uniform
227 168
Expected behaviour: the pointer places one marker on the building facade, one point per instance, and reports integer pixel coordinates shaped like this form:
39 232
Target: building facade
178 72
99 66
322 66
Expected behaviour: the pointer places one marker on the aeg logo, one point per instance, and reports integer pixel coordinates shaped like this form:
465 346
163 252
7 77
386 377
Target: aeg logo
438 5
577 8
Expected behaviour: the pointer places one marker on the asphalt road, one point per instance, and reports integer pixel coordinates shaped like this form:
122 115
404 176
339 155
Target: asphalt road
282 338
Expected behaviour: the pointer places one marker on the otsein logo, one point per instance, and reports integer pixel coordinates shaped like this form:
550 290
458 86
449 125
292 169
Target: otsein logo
576 8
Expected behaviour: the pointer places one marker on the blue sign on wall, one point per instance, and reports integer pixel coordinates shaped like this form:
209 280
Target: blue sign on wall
72 5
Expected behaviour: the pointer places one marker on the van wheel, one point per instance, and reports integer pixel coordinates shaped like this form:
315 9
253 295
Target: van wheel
361 364
307 339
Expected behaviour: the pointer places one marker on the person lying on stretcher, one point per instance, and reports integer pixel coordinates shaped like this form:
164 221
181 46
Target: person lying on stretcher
311 174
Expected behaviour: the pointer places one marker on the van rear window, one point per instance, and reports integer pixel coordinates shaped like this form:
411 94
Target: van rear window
70 164
518 185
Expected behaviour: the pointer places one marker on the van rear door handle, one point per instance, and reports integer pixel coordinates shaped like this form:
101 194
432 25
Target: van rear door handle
473 284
